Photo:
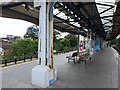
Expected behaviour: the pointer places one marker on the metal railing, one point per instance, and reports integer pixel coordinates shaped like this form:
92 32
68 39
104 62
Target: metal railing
15 60
67 51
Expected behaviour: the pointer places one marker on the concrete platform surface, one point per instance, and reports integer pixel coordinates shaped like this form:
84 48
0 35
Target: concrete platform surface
101 72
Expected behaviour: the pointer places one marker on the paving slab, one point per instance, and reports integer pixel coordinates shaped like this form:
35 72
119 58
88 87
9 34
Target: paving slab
101 72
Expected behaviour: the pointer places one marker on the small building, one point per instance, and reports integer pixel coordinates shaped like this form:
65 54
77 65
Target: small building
1 52
10 37
5 46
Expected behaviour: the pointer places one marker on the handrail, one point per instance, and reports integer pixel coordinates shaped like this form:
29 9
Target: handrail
5 61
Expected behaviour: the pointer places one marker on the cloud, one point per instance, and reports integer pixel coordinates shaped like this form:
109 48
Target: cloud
13 27
16 27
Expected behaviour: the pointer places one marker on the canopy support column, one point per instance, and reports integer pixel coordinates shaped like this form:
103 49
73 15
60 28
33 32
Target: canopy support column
78 44
87 42
90 40
44 74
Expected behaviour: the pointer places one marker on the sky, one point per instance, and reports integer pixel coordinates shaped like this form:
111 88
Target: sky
18 27
15 27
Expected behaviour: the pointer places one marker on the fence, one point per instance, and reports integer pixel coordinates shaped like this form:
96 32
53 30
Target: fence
67 51
15 60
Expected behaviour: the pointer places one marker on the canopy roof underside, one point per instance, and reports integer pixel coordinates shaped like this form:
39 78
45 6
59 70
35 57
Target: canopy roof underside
72 17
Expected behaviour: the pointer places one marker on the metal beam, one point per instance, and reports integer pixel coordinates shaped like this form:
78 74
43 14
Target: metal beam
77 11
104 4
67 21
113 26
80 28
69 31
107 19
103 17
15 4
106 10
8 13
106 23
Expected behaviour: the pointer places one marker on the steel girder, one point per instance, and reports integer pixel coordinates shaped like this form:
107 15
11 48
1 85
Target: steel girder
76 10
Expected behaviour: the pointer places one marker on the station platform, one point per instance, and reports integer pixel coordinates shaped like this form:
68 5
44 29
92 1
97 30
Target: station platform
101 72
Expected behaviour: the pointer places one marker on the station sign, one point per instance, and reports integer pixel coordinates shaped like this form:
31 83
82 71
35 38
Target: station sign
81 45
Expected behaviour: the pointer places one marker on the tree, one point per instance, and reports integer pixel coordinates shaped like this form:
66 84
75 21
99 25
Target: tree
56 35
32 32
115 41
56 45
1 53
73 40
67 43
23 47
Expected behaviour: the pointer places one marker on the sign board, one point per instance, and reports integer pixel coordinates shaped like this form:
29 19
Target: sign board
81 45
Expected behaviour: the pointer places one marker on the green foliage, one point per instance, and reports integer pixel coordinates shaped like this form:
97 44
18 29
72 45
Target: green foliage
23 47
72 39
32 32
63 44
26 46
115 41
1 55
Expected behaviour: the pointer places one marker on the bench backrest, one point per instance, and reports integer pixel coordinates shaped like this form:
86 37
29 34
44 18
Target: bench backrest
74 54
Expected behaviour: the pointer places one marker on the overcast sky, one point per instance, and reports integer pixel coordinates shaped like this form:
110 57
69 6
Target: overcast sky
15 27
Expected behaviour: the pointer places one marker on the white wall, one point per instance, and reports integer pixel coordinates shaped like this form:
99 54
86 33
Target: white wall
1 52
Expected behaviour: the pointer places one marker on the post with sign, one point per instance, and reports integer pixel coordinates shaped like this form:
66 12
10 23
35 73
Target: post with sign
78 43
44 74
81 45
87 45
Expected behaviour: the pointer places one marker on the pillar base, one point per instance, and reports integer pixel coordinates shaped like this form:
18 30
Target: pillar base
43 76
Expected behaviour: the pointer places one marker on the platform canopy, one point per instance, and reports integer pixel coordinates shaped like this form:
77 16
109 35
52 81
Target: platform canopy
115 26
72 17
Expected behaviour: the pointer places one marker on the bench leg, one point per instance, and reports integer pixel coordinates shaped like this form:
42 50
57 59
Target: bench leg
68 60
90 58
79 60
74 60
85 62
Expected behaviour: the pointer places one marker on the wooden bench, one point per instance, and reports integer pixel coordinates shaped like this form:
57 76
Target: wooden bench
73 57
84 56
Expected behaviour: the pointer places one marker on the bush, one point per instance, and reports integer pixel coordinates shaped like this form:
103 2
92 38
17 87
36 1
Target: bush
23 47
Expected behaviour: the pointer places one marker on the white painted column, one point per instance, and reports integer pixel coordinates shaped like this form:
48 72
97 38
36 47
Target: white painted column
42 26
87 42
40 73
78 44
90 40
39 47
87 36
91 43
44 74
